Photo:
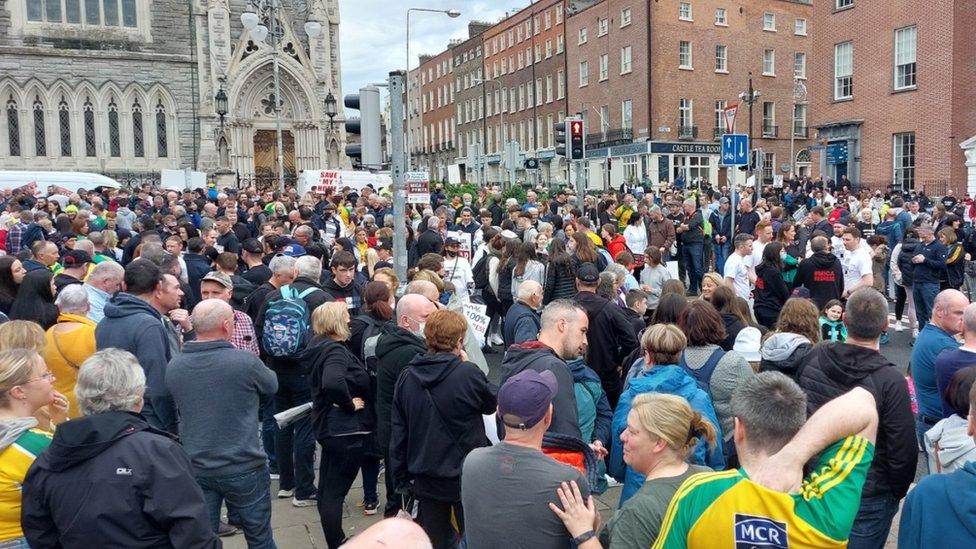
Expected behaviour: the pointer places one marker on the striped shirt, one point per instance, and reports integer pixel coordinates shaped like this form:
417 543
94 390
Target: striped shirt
15 460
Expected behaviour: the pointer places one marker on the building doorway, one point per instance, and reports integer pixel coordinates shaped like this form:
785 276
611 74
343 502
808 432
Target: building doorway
266 155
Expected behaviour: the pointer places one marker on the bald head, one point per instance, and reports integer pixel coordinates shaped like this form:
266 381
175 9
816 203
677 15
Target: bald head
213 319
530 293
425 288
947 311
413 306
969 321
390 533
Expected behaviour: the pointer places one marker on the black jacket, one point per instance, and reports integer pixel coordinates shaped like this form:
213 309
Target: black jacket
395 349
521 324
835 368
823 275
909 249
229 242
560 281
436 422
351 295
733 325
429 242
610 336
746 223
197 267
336 376
537 356
111 480
771 290
288 364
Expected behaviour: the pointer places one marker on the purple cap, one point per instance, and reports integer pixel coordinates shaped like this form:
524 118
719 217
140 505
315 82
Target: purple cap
524 399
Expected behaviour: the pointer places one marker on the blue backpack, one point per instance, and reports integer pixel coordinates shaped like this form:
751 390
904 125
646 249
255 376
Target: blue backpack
286 323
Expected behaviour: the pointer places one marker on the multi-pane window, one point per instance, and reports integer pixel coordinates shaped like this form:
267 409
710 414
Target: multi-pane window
548 19
603 26
624 17
64 127
560 44
107 13
904 160
604 119
905 50
685 113
40 135
604 67
684 54
800 65
626 59
627 114
721 59
584 73
549 88
91 144
840 4
769 21
769 119
769 166
13 126
114 139
720 116
559 20
800 27
560 84
844 70
582 36
799 120
162 142
769 62
720 17
684 11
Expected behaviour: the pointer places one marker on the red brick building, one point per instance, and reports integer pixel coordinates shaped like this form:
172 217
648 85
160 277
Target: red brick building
651 79
437 121
893 91
525 69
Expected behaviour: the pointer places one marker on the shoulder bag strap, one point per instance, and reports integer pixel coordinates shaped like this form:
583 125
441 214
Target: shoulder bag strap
54 336
440 416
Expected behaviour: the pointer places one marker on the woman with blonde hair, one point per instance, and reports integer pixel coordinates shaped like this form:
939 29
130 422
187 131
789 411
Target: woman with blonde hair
26 386
340 419
711 281
660 434
797 330
22 334
658 372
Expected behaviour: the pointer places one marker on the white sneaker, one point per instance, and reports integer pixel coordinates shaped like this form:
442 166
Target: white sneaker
303 502
497 340
915 333
899 327
285 493
611 482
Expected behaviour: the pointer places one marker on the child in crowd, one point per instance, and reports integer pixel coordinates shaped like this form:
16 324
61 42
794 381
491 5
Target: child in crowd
831 326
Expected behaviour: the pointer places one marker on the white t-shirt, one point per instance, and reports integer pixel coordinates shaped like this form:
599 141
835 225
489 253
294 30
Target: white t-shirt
737 268
458 272
856 264
757 251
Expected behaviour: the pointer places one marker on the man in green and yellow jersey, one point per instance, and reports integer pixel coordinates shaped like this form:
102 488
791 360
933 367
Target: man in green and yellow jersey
766 503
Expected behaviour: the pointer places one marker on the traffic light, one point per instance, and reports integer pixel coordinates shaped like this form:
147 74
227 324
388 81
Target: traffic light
559 130
756 160
576 139
368 150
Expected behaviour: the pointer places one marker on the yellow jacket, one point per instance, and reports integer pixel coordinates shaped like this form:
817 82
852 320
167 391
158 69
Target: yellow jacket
69 343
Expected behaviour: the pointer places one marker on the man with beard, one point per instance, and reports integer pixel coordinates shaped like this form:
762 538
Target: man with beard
562 337
457 270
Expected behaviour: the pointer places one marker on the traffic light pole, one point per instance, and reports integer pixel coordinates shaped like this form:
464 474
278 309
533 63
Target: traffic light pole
397 168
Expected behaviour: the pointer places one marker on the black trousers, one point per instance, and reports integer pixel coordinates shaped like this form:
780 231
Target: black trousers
442 521
341 459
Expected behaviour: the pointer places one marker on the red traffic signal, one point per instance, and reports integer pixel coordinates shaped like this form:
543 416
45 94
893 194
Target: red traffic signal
576 140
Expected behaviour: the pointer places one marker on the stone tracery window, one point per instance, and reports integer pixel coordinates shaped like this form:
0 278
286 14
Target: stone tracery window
40 133
138 138
162 144
114 139
64 123
13 126
91 144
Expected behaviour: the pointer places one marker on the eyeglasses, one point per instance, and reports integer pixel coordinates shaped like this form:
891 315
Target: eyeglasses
47 375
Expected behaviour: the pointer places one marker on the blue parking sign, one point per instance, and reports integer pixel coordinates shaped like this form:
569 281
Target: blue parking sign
735 149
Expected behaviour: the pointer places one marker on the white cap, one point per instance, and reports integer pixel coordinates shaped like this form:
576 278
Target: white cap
747 343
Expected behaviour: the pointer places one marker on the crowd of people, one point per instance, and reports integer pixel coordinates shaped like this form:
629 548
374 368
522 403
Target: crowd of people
723 366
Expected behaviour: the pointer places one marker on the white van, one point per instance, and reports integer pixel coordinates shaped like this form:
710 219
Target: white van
42 181
320 181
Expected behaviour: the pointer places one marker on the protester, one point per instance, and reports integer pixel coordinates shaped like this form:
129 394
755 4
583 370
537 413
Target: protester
771 290
216 388
739 275
438 388
797 331
835 368
341 394
821 273
103 282
35 299
948 444
12 274
522 320
73 495
69 342
929 262
951 360
512 482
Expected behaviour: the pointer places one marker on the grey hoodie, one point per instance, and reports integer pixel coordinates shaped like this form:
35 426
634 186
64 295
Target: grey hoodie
11 429
785 352
956 447
124 218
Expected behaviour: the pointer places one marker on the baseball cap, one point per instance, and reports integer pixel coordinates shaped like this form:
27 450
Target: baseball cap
747 343
74 258
384 244
723 200
219 278
524 399
588 273
293 250
282 241
71 209
252 245
452 241
508 234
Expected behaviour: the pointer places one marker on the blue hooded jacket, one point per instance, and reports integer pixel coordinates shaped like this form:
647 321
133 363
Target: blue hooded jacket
943 508
598 419
667 379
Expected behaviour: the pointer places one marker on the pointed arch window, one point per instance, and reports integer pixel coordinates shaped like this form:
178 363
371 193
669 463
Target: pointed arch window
162 144
64 126
114 139
40 132
13 126
91 144
138 138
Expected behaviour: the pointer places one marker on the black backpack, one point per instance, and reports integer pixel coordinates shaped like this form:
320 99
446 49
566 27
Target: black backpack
480 272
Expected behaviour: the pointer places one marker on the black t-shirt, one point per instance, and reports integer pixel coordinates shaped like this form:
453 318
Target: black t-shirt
949 202
257 275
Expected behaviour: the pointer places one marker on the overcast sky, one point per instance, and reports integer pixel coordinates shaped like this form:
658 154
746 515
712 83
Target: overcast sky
373 33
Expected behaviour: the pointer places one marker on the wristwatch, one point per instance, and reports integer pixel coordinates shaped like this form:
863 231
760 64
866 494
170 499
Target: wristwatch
583 538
